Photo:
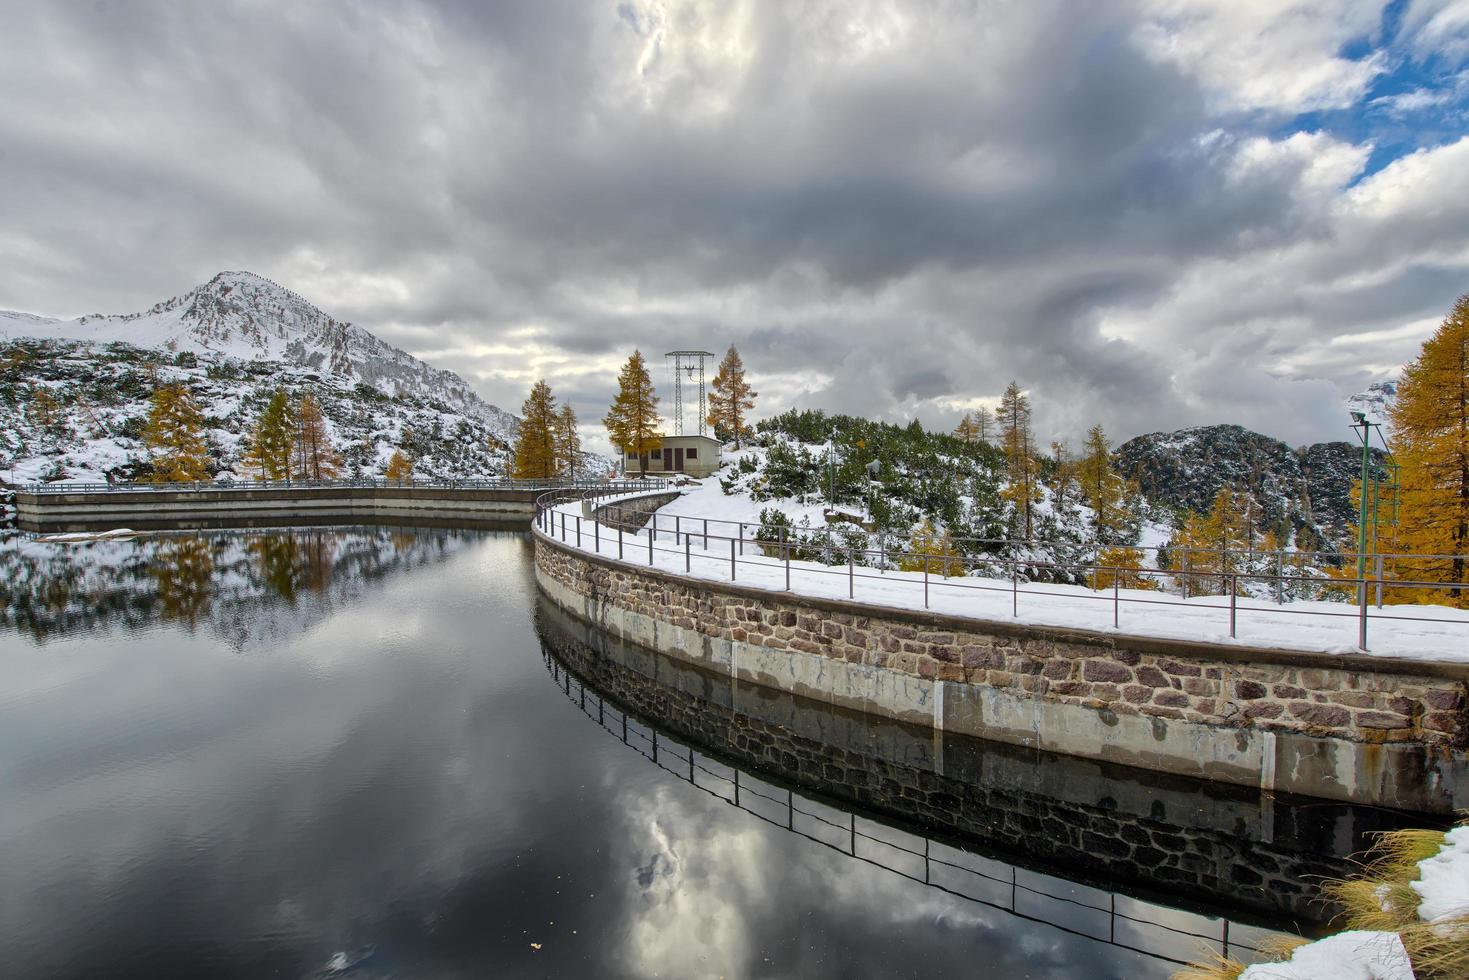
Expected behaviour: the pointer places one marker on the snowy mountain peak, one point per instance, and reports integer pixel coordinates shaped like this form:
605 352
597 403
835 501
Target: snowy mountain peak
247 317
1376 402
236 314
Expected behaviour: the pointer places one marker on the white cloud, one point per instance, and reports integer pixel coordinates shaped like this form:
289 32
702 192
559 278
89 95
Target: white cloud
1278 55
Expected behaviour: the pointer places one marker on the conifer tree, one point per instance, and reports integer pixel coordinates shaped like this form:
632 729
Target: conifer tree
732 398
632 421
175 433
967 429
1020 464
399 468
975 426
315 457
1123 566
269 453
931 549
1430 421
1209 544
1063 477
536 456
1102 488
568 442
45 411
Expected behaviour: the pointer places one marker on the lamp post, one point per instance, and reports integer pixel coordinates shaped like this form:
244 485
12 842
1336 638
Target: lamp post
1361 421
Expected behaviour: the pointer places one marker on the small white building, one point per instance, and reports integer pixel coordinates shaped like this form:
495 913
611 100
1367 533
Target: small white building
695 456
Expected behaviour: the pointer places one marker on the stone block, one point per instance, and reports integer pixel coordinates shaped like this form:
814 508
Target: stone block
1442 700
1324 715
1245 690
1152 676
1107 671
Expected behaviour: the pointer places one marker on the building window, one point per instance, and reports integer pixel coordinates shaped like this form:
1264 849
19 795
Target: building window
632 455
692 453
657 454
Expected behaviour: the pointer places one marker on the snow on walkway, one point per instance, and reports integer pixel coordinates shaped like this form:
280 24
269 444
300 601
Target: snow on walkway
1417 632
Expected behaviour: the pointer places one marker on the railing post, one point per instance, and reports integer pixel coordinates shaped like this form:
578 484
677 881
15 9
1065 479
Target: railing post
851 574
1362 614
742 538
1233 606
1280 576
1116 599
706 534
787 550
650 550
731 559
687 556
925 581
1378 574
578 530
596 532
1014 589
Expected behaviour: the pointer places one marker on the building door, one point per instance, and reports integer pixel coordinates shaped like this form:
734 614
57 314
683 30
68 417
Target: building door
678 460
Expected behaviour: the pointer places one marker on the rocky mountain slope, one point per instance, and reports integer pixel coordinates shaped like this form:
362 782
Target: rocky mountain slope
73 393
1306 488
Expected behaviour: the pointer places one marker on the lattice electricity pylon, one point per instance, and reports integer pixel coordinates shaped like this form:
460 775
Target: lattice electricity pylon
688 363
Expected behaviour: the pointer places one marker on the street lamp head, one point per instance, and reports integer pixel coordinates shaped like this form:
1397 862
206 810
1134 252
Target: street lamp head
1359 417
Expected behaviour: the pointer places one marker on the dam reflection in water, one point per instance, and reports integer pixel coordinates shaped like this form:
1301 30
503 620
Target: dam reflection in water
1046 838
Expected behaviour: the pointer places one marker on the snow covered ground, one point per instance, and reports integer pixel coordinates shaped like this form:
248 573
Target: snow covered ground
1418 632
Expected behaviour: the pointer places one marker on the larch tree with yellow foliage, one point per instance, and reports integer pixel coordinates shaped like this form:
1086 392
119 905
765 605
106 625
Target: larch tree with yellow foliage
535 443
632 421
1022 488
1207 546
399 468
315 457
174 434
732 398
1102 488
1430 424
934 550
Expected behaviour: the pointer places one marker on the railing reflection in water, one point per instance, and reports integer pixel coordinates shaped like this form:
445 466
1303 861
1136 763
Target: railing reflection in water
1170 934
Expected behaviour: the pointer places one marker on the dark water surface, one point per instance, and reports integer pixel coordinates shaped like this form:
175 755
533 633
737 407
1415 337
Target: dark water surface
373 752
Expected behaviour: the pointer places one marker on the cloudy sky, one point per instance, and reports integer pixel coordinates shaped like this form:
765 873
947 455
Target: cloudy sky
1152 213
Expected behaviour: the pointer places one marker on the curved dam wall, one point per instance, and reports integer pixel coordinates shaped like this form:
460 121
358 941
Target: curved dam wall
1353 728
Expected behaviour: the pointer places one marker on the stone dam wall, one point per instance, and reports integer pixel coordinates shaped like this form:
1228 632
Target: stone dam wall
1354 728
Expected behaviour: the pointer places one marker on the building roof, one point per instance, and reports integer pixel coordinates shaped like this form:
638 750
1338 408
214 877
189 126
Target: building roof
686 437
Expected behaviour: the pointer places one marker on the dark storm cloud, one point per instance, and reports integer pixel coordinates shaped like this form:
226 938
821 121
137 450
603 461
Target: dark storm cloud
891 208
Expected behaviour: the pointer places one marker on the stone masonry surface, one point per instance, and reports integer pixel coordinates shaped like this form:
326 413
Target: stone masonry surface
1389 703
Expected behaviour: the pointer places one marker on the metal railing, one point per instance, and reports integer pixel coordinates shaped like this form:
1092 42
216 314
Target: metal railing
1092 913
696 540
427 483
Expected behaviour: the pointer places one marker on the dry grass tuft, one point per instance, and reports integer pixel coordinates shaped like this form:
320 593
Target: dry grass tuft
1438 951
1380 899
1216 967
